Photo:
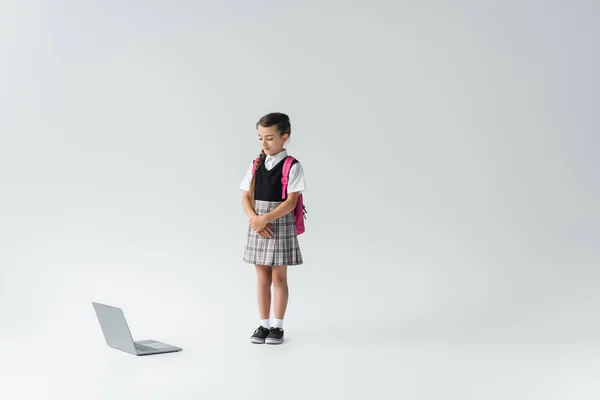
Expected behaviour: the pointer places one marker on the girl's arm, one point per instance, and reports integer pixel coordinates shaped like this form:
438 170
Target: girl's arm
247 205
286 207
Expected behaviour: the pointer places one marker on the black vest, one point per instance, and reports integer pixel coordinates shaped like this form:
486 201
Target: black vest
268 183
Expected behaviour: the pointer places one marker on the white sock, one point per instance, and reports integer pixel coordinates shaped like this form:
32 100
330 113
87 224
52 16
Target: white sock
266 323
278 323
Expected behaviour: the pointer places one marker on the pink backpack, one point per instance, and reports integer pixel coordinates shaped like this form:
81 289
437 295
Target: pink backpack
298 212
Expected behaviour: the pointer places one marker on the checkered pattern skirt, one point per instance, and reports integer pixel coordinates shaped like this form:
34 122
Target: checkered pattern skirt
281 248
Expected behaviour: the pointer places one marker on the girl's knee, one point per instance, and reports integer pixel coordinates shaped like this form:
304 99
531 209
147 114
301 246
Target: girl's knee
279 281
265 281
280 285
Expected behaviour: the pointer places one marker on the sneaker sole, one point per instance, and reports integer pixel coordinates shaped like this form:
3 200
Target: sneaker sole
257 341
274 341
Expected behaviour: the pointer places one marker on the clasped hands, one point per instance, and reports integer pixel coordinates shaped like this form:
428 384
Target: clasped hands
261 225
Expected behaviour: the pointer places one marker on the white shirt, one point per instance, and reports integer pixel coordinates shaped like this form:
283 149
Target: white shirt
296 178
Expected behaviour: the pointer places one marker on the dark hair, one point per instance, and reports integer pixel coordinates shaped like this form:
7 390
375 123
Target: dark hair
282 122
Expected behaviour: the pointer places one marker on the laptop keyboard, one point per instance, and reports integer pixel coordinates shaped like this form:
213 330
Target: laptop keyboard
143 348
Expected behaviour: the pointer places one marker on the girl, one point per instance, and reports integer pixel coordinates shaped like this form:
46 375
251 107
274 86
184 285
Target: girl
272 243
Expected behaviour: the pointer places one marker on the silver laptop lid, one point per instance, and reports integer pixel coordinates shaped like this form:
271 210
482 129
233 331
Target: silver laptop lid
114 327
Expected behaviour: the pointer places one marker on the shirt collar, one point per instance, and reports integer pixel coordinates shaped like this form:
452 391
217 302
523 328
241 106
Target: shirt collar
277 157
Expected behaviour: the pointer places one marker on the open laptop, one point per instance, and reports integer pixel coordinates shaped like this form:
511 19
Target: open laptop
118 336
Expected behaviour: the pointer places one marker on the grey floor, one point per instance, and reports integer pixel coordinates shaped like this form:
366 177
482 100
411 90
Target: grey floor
54 348
377 363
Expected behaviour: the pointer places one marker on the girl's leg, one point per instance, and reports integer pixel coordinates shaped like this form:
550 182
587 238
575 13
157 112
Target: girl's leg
263 286
279 276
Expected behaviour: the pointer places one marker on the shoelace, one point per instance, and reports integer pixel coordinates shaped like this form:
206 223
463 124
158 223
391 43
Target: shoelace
260 328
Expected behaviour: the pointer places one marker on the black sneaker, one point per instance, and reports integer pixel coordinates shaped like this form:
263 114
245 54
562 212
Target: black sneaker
275 336
259 335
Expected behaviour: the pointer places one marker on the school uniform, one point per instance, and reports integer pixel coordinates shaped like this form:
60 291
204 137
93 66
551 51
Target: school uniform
282 247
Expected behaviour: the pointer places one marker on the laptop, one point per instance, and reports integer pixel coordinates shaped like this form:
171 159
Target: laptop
118 336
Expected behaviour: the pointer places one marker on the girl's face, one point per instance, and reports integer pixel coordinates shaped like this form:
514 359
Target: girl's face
270 140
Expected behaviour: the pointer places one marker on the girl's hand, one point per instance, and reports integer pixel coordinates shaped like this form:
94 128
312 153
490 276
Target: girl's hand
258 223
267 231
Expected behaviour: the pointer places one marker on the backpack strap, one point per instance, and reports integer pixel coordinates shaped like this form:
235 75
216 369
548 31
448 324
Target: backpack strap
287 166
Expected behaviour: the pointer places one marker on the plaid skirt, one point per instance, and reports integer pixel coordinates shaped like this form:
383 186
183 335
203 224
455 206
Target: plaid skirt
281 248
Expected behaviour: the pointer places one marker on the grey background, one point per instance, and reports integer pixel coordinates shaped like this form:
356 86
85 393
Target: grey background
450 152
